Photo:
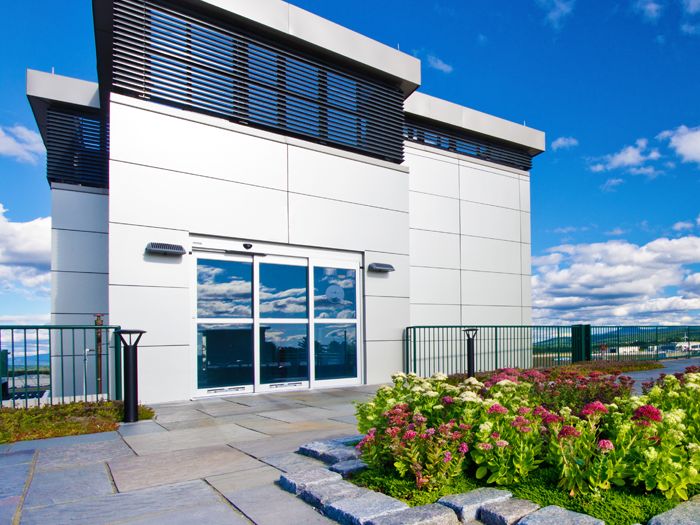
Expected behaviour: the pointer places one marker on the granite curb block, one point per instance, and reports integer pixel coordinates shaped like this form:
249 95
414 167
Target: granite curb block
349 467
687 513
467 505
360 511
432 514
329 451
554 515
296 482
506 512
322 494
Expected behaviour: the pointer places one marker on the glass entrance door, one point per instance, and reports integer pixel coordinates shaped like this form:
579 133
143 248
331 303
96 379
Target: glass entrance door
270 323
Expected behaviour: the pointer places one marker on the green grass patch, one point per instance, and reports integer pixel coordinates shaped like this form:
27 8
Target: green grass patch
71 419
615 507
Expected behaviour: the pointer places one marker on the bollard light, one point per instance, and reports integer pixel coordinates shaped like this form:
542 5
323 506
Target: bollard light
131 388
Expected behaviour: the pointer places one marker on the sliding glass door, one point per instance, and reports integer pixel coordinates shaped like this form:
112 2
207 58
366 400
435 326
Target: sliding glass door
268 323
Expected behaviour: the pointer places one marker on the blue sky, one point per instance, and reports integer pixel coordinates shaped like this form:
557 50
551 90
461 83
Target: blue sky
614 84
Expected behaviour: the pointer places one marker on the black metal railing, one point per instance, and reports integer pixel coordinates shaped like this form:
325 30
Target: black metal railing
170 55
431 349
42 365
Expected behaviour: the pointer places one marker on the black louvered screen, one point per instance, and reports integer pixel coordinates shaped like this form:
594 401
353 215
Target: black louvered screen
76 148
165 54
425 132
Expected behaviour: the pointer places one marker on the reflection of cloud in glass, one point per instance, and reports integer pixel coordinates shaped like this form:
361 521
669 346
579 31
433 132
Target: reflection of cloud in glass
224 289
283 291
337 307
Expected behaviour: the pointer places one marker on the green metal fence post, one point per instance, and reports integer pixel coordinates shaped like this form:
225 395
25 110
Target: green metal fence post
117 365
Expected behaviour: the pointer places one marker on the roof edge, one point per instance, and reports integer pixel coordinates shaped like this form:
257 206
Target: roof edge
443 111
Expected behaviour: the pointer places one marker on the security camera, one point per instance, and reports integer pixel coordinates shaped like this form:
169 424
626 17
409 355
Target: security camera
247 246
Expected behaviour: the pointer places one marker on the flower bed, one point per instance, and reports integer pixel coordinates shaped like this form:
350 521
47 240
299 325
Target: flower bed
548 435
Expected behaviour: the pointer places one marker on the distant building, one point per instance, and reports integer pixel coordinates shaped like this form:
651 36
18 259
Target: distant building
266 193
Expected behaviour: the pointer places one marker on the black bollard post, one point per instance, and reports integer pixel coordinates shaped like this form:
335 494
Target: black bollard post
471 335
131 387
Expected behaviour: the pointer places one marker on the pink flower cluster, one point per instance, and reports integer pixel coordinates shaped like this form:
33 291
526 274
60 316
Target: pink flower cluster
605 445
567 431
645 414
497 409
594 408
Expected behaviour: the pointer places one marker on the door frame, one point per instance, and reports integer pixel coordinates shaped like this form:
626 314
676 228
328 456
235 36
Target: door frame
234 250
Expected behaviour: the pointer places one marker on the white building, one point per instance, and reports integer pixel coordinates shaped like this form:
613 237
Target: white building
290 158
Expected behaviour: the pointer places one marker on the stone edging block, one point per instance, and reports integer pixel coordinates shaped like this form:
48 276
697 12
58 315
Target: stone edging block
506 512
467 505
299 480
554 515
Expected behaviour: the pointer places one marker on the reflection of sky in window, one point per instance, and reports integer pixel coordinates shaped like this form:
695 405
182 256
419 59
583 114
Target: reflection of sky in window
283 291
335 333
285 335
334 293
224 289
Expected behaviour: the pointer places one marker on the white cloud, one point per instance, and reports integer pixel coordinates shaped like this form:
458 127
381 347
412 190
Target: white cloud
618 282
632 158
691 7
25 255
682 226
616 232
556 11
684 141
690 29
610 184
21 144
437 63
564 143
649 9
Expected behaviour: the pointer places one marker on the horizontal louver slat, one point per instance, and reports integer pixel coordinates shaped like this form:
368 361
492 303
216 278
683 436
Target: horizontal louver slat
76 151
171 56
466 144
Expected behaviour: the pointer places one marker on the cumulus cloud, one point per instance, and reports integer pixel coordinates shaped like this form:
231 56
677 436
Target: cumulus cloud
615 232
618 282
556 11
682 226
632 158
25 255
437 63
649 9
690 29
564 143
684 141
21 144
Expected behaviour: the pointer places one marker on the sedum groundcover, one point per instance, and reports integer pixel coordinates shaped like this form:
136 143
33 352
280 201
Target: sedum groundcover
575 439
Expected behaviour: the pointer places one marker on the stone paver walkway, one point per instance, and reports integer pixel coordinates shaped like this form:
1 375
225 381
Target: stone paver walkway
212 461
207 461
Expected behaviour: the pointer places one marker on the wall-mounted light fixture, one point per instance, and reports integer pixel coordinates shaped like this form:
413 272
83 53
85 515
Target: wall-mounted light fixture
380 268
162 248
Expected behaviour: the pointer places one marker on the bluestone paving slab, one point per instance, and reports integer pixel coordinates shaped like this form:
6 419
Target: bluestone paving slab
190 438
350 420
288 442
218 514
299 480
359 511
117 508
40 444
299 414
507 512
164 416
15 458
140 427
171 467
467 504
687 513
245 479
324 493
554 515
424 515
274 427
71 456
69 484
270 505
13 478
291 462
8 507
